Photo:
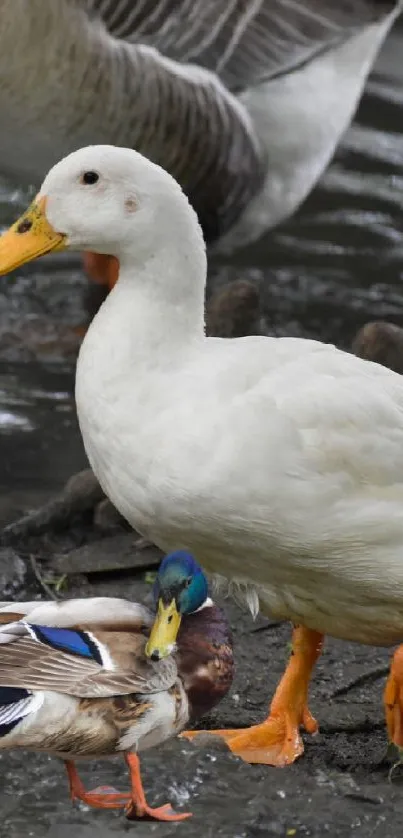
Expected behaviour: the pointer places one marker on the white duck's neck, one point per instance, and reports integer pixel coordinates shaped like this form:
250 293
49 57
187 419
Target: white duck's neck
154 314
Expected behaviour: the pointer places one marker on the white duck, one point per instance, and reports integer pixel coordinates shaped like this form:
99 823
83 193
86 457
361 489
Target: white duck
242 102
279 462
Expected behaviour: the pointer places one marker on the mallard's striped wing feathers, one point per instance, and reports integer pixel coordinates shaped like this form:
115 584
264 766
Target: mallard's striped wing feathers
23 664
36 663
78 662
245 43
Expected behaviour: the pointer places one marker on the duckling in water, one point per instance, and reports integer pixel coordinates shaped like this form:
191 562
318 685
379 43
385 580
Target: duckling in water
85 678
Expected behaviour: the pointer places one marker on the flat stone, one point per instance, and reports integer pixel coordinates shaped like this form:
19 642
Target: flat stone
117 552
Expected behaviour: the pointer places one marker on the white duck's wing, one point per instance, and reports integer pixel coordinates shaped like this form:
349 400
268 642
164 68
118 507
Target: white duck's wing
329 426
245 43
90 659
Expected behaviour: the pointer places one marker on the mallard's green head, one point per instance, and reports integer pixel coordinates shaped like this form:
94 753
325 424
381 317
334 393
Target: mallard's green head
182 579
180 588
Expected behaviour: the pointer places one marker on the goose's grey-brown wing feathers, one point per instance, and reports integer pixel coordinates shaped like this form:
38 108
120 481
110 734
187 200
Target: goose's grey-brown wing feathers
180 62
243 41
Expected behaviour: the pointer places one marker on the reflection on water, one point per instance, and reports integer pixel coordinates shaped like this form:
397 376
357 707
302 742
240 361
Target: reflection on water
335 265
37 398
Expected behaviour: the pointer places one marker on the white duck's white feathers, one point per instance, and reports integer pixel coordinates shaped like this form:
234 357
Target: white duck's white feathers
278 462
243 103
282 472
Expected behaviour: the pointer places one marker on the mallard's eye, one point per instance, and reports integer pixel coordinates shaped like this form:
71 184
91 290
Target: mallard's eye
89 178
188 581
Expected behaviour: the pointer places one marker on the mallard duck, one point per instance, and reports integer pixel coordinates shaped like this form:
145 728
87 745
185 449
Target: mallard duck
277 461
80 680
243 103
380 342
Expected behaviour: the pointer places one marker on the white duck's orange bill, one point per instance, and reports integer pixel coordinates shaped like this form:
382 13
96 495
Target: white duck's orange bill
31 236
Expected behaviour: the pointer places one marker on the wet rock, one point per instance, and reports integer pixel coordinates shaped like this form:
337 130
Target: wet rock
81 494
380 342
107 519
269 829
37 337
234 310
108 555
13 573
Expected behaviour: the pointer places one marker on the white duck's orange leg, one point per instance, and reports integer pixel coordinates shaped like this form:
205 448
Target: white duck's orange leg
138 807
277 740
393 700
103 797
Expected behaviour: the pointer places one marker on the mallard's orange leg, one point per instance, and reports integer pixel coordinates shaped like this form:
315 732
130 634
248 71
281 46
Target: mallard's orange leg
393 700
138 807
103 797
277 740
102 268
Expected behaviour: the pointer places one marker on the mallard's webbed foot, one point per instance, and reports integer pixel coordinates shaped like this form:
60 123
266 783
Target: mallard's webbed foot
103 797
138 808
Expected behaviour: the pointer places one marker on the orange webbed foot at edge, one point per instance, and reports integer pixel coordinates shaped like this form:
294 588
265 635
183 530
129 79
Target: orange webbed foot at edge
277 741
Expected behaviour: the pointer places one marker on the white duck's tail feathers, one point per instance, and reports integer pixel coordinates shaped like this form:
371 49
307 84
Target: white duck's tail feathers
243 593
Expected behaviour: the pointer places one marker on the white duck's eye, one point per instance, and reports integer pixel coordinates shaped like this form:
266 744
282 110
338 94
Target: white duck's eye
89 178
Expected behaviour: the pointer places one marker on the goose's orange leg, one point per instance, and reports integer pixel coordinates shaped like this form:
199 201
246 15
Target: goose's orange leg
277 740
101 268
393 700
138 806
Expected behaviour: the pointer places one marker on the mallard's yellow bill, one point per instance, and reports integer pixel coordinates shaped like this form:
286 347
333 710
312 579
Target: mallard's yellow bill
164 631
31 236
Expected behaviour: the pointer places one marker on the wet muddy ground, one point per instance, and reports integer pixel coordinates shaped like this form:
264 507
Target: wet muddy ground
339 787
337 264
